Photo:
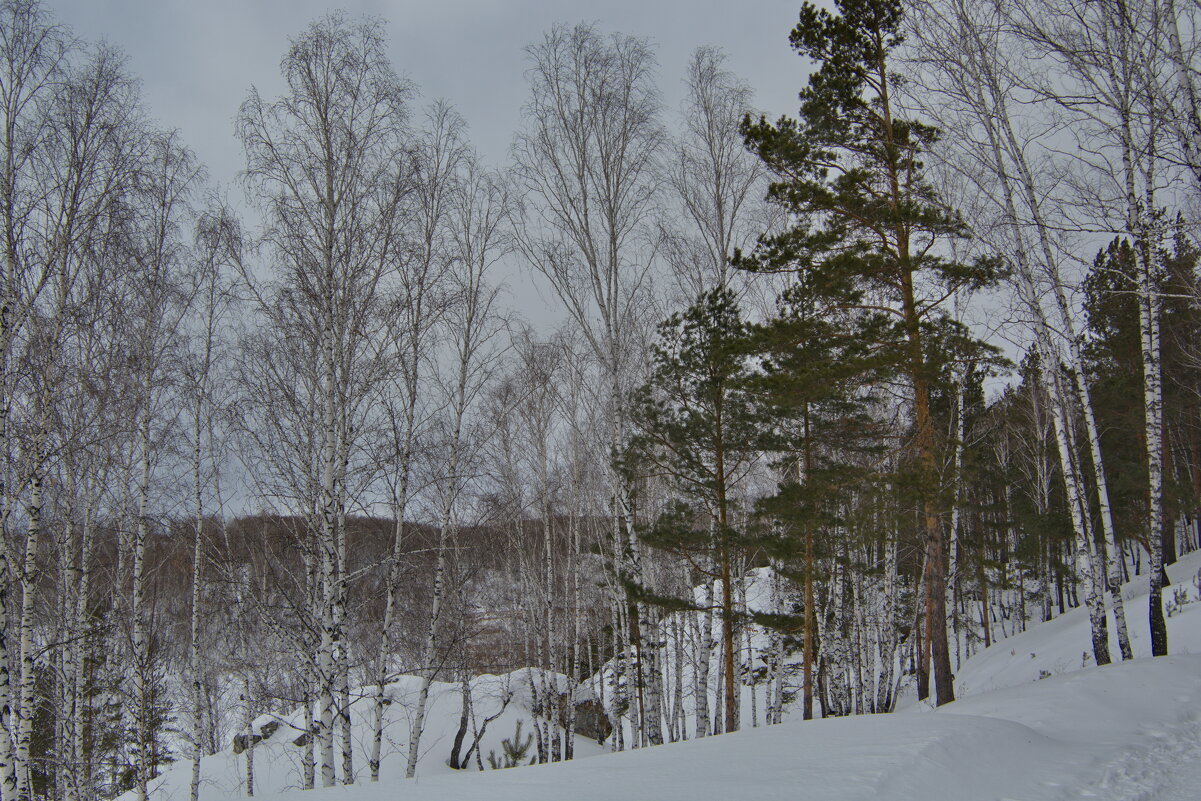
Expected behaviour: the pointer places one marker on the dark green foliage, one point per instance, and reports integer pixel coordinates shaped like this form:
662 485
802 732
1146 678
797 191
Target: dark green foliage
695 404
698 425
870 233
1112 349
817 368
41 745
111 729
852 171
701 429
1015 484
866 307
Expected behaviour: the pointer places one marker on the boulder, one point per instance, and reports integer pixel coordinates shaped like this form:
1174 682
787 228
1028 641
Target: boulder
244 741
592 721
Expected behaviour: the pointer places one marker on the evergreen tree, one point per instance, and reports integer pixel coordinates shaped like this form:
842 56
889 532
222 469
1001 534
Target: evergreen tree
849 170
1114 363
1112 349
815 366
701 429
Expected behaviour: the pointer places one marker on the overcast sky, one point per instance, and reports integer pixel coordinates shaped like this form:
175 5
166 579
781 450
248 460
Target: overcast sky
198 58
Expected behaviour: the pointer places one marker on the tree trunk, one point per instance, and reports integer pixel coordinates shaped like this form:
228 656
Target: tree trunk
429 652
140 641
248 733
194 661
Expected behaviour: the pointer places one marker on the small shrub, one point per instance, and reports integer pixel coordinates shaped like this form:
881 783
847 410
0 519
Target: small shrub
514 750
1179 599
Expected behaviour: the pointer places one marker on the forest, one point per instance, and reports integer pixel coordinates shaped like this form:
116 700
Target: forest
828 402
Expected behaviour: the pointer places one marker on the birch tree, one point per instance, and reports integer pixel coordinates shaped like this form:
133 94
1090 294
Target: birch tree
1113 91
584 163
160 299
478 219
82 167
417 304
218 243
326 162
33 51
718 186
973 80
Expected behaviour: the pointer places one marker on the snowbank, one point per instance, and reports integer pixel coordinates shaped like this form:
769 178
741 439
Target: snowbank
1035 721
277 759
1117 732
1064 644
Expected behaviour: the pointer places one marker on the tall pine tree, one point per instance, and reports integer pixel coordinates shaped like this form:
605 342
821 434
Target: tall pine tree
849 170
701 429
817 359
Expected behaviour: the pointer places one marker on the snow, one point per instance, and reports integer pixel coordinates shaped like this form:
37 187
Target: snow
1063 645
1122 732
277 760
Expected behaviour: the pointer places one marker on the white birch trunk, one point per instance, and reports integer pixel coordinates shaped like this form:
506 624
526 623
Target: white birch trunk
953 588
30 575
308 758
1150 311
1077 507
704 661
79 648
8 767
990 102
194 662
248 733
327 550
430 651
341 656
140 641
573 569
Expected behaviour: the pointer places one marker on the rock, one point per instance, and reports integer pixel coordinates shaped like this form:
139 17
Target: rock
242 741
269 728
302 740
592 721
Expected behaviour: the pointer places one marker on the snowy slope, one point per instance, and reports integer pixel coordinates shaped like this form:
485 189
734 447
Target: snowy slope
1115 733
1035 722
277 760
1064 644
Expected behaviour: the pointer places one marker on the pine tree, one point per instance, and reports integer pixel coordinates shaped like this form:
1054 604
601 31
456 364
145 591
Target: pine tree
815 366
849 170
1114 364
699 427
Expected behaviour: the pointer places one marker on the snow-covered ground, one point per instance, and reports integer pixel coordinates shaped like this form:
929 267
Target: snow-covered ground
1063 645
1035 720
1116 733
498 705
